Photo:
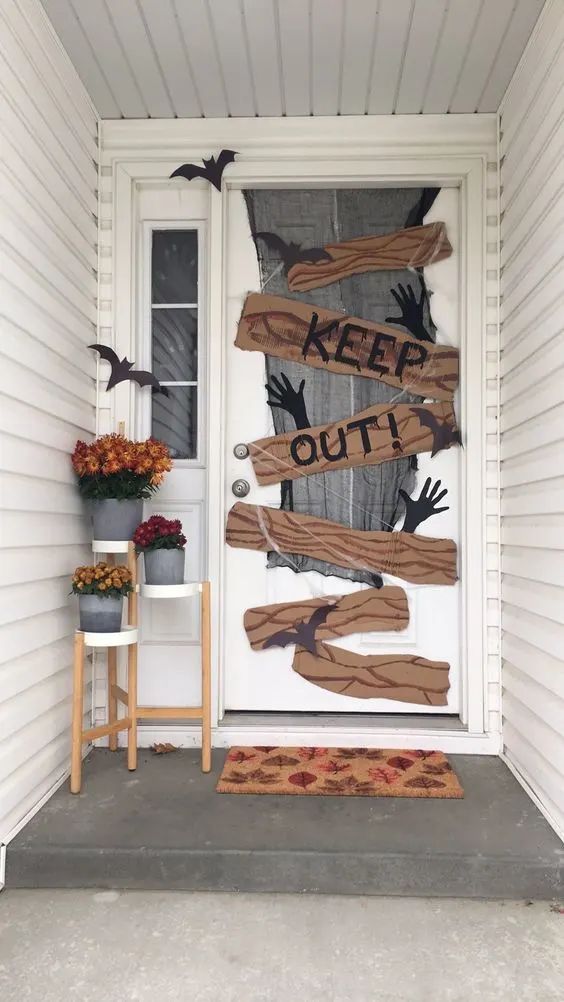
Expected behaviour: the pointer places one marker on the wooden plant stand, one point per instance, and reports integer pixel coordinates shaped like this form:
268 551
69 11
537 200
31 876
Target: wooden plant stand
187 590
112 641
128 636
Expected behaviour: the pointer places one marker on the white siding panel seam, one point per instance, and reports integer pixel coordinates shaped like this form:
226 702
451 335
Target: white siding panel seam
48 400
532 417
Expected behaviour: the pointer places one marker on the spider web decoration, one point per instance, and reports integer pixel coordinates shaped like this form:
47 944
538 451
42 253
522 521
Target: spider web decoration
367 498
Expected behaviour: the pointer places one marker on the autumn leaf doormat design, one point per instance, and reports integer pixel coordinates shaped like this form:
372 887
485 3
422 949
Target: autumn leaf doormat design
339 772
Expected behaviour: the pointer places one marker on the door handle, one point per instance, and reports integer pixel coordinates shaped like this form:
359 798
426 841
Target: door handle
240 488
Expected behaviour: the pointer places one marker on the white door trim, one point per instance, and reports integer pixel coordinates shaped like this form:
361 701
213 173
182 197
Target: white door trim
340 151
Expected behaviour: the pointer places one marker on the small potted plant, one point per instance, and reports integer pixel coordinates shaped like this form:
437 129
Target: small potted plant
100 591
115 475
162 543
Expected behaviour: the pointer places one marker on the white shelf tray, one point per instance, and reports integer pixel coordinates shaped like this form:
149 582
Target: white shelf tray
110 545
126 636
171 591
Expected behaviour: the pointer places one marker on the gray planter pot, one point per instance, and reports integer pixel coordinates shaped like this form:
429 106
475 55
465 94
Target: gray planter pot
164 567
113 519
100 613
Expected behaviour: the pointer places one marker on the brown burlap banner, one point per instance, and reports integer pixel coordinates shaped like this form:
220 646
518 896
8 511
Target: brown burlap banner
326 617
421 559
411 248
404 677
325 339
367 438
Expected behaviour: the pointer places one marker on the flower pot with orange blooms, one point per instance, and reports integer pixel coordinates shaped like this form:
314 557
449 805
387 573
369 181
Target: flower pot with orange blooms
115 476
162 542
100 589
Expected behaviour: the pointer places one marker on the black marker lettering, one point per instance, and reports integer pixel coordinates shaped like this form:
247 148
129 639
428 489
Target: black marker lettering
363 426
314 337
378 352
324 442
396 443
345 343
419 354
295 445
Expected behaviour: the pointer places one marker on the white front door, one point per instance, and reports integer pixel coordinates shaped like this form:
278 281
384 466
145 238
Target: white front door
172 241
264 680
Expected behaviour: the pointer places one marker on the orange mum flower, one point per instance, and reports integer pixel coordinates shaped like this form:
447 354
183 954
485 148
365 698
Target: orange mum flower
115 467
102 577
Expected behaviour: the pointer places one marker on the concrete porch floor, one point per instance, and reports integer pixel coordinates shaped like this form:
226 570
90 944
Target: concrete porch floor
142 946
164 827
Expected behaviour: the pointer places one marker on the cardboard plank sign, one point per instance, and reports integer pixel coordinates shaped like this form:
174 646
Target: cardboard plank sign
405 677
325 339
421 559
409 248
325 617
372 436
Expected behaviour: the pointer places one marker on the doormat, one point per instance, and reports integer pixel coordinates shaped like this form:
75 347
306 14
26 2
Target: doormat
339 772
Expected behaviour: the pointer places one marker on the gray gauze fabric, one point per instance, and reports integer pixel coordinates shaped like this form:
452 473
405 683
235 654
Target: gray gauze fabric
368 497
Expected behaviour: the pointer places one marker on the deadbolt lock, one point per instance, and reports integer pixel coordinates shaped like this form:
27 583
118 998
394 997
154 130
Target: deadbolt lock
240 488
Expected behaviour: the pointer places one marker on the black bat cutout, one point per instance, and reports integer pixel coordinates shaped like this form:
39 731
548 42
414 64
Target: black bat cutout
123 370
292 253
304 632
443 434
419 509
212 170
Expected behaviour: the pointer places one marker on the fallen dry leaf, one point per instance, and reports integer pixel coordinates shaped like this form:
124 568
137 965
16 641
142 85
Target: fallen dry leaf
163 749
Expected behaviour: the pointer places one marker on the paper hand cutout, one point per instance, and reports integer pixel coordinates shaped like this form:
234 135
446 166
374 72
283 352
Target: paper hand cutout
412 310
122 370
291 253
285 397
212 170
304 632
419 509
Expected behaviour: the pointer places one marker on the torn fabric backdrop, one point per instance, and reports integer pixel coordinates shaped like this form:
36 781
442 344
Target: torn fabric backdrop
366 498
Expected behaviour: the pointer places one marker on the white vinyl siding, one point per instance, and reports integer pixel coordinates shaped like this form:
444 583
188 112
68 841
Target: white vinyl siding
48 254
532 414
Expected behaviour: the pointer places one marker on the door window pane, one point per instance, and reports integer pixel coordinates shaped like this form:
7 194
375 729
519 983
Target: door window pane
175 266
175 420
174 337
175 345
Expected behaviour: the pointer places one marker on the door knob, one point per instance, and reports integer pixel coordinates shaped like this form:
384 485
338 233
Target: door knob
240 488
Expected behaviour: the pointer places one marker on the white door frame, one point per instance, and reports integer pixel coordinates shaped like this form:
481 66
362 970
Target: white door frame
451 151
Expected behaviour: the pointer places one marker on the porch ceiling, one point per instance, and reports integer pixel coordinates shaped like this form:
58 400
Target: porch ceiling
242 58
